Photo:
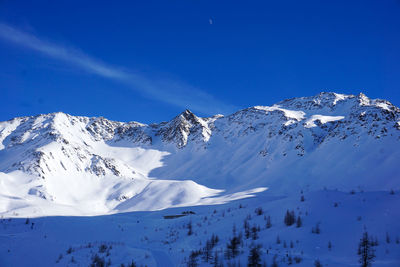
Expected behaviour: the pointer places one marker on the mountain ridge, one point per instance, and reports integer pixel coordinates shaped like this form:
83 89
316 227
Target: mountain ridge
280 147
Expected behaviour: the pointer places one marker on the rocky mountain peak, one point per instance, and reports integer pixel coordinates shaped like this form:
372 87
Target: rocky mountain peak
183 126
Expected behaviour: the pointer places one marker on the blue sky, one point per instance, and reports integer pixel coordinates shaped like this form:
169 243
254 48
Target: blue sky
149 60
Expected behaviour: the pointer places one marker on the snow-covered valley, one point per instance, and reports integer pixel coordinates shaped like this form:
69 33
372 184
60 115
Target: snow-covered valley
340 153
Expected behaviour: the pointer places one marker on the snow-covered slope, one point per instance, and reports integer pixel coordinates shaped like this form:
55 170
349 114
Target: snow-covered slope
149 239
68 165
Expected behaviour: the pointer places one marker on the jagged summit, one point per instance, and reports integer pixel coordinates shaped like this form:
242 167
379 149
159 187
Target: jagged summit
187 114
327 140
331 100
181 127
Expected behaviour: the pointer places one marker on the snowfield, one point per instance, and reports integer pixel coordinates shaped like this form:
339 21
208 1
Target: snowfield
149 239
332 159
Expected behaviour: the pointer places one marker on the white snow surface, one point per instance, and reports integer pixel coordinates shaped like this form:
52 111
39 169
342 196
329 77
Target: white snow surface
322 119
151 240
290 114
58 164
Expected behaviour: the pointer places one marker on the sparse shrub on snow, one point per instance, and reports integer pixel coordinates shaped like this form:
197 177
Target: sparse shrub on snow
97 261
316 229
297 259
69 250
317 263
102 248
259 211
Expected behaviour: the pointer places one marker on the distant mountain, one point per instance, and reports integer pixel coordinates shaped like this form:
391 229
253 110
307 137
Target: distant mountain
70 165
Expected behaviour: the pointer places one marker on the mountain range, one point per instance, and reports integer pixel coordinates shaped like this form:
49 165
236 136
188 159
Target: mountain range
58 164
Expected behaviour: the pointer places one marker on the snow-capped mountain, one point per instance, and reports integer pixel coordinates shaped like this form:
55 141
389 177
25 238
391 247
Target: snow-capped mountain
62 164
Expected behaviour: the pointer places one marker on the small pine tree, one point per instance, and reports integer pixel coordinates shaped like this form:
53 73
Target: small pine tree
376 242
254 259
316 229
254 234
232 248
207 251
274 262
190 228
366 251
193 259
289 260
268 224
69 250
289 218
102 248
259 211
297 259
387 238
59 258
246 226
299 223
97 261
214 240
216 261
302 198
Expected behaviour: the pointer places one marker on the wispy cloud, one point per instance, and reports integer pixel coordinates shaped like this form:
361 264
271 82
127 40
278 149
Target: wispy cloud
169 91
